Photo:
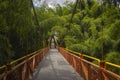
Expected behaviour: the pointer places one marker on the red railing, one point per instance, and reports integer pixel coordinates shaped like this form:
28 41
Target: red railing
25 69
86 69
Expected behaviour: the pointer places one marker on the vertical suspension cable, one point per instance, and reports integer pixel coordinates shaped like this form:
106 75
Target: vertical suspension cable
71 19
37 21
73 13
102 41
35 14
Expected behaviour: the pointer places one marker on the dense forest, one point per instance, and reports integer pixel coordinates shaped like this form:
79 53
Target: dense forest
20 34
92 28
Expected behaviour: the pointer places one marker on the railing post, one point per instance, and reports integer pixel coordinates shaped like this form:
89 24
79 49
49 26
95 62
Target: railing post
81 56
81 69
102 64
8 68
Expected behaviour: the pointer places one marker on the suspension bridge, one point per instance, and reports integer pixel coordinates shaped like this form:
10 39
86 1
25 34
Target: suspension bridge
57 64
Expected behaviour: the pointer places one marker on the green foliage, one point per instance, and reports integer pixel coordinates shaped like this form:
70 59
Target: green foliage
117 45
113 57
114 31
79 48
18 32
70 40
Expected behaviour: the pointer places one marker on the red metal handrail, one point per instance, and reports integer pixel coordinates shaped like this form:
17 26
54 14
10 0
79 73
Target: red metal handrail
86 69
25 69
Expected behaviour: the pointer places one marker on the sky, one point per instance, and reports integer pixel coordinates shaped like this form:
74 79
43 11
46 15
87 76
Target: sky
50 3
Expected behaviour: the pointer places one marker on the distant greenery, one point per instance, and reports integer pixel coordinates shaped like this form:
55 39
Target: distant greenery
20 34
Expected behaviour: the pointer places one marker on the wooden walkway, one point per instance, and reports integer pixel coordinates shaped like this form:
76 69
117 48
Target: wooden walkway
55 67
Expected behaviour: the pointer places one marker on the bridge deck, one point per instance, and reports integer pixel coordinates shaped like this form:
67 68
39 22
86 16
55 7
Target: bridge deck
55 67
